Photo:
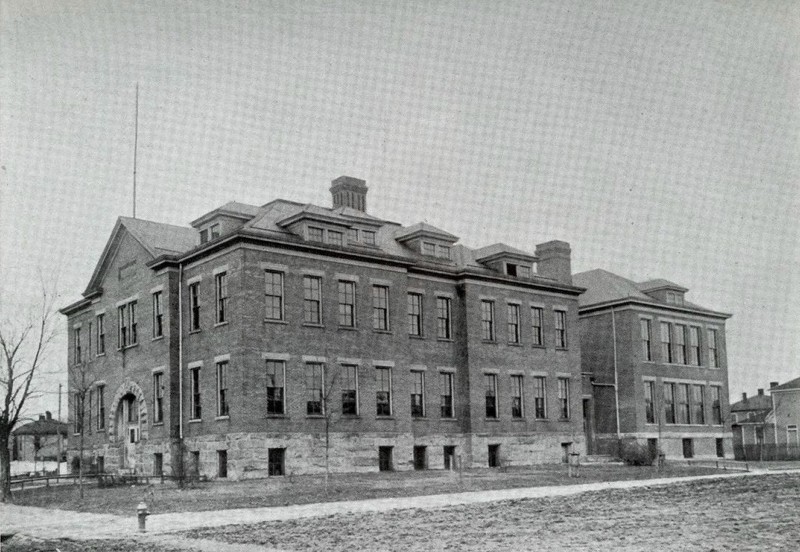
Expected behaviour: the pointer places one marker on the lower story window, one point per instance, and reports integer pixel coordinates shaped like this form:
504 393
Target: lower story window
276 461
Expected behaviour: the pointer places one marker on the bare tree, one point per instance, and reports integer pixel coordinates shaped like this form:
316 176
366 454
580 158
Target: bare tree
81 383
330 378
24 347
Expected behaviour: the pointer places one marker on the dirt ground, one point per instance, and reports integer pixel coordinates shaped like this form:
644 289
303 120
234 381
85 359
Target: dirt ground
743 514
283 491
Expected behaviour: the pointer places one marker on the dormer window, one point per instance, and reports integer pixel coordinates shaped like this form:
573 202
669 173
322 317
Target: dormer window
335 237
368 236
442 251
435 250
352 235
203 235
674 298
214 231
429 248
315 234
518 270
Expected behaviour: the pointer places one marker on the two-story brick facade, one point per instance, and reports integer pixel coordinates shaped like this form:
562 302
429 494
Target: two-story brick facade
271 340
654 366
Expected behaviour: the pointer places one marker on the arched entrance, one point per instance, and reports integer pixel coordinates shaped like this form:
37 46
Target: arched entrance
129 423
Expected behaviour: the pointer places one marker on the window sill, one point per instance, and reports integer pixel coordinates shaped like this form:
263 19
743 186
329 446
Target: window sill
383 417
419 418
514 344
218 324
538 346
157 338
445 339
350 417
275 321
155 424
381 331
564 419
518 418
412 336
222 418
101 354
562 348
198 330
277 416
448 419
542 419
491 419
316 416
348 328
310 325
488 341
128 347
195 421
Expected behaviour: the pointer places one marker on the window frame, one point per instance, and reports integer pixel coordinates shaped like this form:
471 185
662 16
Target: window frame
444 322
517 396
101 406
76 343
347 310
561 328
491 411
698 406
415 311
540 397
564 391
380 308
716 404
513 323
417 394
195 393
100 323
649 402
311 234
270 297
684 406
194 307
446 396
350 384
666 345
537 326
488 332
670 405
314 394
646 337
680 344
713 348
312 300
158 315
223 399
221 297
279 376
380 382
158 397
694 346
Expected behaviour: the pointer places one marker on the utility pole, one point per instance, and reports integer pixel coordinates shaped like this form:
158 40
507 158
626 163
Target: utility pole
58 460
135 147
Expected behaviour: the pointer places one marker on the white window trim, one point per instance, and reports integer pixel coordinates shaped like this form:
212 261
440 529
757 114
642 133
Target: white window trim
312 272
275 267
349 361
157 289
380 282
383 363
158 369
276 356
309 359
194 280
219 269
448 369
126 301
418 291
222 358
346 277
418 368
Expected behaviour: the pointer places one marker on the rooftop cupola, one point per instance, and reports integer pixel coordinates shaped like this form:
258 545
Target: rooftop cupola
349 192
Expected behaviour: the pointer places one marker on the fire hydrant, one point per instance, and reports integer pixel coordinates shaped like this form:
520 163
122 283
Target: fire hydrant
142 513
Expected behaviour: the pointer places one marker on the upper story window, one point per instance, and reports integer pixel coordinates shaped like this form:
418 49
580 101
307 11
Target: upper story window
77 341
222 389
380 307
487 320
674 298
415 314
352 235
561 329
315 233
694 345
347 304
713 353
221 286
518 270
513 323
312 300
101 334
158 316
666 342
203 235
443 318
128 334
680 343
435 250
273 292
214 231
276 377
368 237
158 397
649 402
644 330
194 307
335 237
536 325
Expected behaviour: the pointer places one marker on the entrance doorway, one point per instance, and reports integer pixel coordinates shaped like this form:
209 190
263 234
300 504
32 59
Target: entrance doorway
449 457
128 430
420 460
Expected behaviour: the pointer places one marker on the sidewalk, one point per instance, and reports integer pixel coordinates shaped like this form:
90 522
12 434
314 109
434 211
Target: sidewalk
45 523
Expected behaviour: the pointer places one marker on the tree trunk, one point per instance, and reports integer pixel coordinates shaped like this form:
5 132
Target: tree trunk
80 464
5 465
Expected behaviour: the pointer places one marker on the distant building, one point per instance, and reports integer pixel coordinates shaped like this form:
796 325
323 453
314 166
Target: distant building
654 368
765 427
39 440
230 347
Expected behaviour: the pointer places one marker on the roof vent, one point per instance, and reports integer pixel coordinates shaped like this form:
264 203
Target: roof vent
349 192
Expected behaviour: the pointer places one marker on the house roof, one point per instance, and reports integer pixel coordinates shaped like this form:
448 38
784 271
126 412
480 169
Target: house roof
159 238
43 427
756 402
659 283
424 229
792 384
500 249
755 417
604 287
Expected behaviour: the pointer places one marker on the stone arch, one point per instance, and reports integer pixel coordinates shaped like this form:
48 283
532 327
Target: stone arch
126 388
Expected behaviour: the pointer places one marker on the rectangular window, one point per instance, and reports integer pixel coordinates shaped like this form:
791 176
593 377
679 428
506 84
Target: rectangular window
446 397
89 340
649 405
314 390
487 320
680 343
122 334
443 317
415 314
443 251
561 329
513 323
684 410
369 237
347 304
383 393
214 231
158 316
101 406
563 398
417 394
222 388
490 388
536 324
77 413
101 334
276 378
540 397
134 336
77 341
196 411
89 404
380 307
158 397
524 271
312 300
716 406
315 234
335 237
203 235
273 292
352 235
694 346
222 464
221 281
669 403
666 342
429 249
194 306
713 356
158 464
494 456
699 405
350 389
275 462
644 331
517 397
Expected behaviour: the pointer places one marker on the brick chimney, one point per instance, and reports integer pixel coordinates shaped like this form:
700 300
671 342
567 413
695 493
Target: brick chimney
555 261
744 396
761 392
349 192
773 384
48 415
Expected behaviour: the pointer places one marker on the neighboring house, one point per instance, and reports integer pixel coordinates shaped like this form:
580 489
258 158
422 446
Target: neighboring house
38 441
765 427
654 367
231 348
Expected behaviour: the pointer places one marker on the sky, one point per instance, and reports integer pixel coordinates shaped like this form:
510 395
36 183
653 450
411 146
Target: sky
660 139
